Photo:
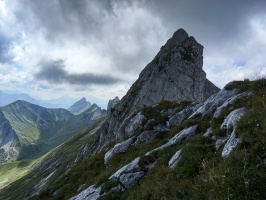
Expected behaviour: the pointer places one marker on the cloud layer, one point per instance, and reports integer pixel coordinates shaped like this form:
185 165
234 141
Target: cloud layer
54 72
98 48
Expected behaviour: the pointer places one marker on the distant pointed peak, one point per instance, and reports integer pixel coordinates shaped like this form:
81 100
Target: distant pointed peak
83 99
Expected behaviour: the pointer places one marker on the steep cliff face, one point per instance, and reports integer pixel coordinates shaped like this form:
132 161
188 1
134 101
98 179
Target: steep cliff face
175 74
9 141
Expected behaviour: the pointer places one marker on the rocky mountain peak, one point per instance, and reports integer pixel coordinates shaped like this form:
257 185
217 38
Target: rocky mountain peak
175 74
80 106
112 103
180 35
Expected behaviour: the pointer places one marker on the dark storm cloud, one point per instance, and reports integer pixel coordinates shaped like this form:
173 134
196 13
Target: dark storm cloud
208 20
54 72
61 21
213 23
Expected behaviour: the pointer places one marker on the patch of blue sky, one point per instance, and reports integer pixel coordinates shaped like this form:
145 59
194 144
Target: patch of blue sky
18 66
239 63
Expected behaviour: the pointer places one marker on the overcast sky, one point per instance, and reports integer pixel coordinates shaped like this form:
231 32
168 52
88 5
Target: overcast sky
97 48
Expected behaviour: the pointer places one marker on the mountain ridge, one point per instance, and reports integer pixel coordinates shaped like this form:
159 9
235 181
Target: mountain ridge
8 98
38 129
80 106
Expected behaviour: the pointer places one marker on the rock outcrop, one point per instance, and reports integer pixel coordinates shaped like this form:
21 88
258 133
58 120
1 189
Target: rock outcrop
175 74
175 158
178 138
112 103
9 141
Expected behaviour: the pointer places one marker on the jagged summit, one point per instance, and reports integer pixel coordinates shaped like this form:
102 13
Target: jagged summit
80 106
112 103
175 74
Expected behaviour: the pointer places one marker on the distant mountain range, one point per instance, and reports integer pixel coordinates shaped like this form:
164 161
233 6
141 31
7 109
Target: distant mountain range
61 102
28 130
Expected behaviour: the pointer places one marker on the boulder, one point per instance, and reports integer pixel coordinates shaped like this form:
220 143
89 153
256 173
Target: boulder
118 148
91 193
129 175
132 167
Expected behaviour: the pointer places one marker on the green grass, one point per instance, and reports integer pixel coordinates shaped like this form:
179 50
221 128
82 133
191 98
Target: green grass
12 171
54 161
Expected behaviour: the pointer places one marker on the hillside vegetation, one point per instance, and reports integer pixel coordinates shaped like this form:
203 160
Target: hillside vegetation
28 131
42 172
201 172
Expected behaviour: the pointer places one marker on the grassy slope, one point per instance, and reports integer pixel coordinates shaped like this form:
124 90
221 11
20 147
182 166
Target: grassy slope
13 171
201 173
55 161
30 121
40 129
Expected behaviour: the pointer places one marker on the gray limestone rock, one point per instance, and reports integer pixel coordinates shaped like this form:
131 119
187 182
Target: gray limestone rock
219 142
9 141
112 103
145 137
230 145
118 148
118 188
213 102
229 101
229 126
179 117
129 175
134 125
132 167
91 193
232 118
175 74
131 179
178 138
175 158
208 132
161 127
